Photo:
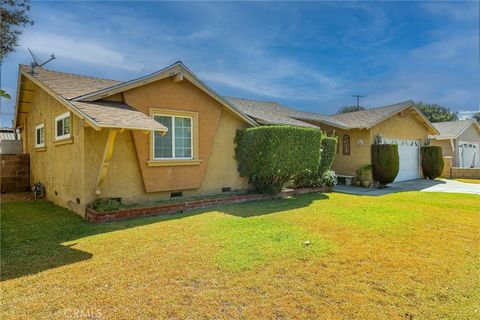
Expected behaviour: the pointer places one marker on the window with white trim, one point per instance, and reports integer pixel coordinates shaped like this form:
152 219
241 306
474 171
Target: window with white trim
40 136
62 126
177 143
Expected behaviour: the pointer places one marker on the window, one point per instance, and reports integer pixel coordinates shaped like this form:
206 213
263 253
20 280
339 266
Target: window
40 136
177 143
62 126
346 144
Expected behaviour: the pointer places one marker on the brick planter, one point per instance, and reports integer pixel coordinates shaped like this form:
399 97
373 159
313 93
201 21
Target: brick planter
172 208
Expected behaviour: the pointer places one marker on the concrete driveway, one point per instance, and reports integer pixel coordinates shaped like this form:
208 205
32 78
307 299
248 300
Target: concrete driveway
422 185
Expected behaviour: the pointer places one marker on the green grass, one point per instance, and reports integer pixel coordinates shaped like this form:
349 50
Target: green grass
369 258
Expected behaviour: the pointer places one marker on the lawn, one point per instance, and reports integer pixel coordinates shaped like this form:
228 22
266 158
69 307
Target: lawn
407 255
476 181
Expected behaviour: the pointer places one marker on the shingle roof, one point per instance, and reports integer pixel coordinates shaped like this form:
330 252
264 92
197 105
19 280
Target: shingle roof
370 117
117 115
452 129
69 85
275 113
100 113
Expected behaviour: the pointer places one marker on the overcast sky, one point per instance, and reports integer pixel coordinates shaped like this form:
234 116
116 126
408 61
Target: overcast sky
312 56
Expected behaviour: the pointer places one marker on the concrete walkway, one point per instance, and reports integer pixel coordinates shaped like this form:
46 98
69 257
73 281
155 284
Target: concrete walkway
422 185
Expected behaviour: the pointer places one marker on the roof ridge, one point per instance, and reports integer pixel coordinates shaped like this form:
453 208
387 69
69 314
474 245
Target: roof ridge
245 99
376 108
73 74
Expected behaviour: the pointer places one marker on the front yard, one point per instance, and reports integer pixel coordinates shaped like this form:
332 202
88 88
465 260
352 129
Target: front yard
407 255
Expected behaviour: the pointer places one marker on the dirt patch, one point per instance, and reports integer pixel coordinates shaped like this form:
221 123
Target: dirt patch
16 196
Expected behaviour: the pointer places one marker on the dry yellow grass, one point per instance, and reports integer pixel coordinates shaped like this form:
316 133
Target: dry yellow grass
476 181
401 256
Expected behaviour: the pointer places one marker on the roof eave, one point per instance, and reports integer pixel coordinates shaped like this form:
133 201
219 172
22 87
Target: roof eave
162 74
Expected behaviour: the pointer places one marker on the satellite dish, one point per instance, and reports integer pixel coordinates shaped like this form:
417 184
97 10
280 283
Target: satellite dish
36 62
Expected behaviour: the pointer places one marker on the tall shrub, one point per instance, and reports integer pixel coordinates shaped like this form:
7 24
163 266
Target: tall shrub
432 161
329 150
270 156
385 163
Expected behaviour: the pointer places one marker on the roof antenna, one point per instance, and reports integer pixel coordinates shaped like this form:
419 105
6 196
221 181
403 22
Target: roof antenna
36 62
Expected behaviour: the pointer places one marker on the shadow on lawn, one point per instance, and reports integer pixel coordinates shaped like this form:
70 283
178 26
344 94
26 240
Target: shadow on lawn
33 232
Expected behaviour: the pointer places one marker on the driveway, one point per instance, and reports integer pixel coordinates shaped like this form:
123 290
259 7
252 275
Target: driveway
422 185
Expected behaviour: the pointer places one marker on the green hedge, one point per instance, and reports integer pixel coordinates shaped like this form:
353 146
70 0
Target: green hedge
385 163
270 156
432 161
329 150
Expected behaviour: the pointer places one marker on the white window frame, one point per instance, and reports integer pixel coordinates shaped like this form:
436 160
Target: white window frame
173 137
59 118
40 126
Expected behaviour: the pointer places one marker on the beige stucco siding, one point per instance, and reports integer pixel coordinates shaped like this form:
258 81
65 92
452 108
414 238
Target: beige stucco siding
400 127
446 147
59 167
222 167
124 178
470 135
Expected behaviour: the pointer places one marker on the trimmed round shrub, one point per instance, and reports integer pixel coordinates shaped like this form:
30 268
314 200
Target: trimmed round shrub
385 163
329 150
432 161
271 156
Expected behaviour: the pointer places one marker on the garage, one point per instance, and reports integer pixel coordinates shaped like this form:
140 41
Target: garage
409 156
469 154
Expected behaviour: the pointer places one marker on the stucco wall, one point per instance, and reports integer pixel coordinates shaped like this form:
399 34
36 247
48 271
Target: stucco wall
222 167
447 150
400 127
470 135
59 167
124 178
181 96
359 154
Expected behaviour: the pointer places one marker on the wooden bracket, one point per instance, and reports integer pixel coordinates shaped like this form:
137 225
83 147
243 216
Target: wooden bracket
107 155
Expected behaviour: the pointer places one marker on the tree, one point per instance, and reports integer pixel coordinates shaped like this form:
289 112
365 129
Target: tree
348 109
436 113
476 116
4 94
13 16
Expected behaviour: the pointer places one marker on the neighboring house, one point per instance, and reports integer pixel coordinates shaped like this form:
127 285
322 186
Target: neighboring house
160 136
10 141
400 123
460 140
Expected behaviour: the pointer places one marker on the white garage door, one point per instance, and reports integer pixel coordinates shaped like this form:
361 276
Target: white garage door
409 154
469 154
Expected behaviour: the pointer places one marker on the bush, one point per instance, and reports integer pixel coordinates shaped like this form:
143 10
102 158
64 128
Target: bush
328 179
385 163
329 150
432 161
270 156
106 204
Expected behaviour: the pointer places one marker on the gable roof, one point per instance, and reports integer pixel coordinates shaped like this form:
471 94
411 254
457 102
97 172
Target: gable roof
369 118
68 85
274 113
176 69
62 86
453 129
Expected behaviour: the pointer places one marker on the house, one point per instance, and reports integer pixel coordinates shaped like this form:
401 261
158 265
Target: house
459 140
10 141
156 137
167 135
400 123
